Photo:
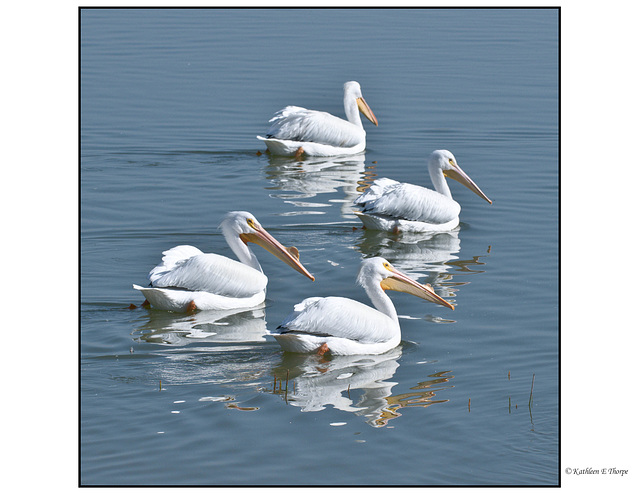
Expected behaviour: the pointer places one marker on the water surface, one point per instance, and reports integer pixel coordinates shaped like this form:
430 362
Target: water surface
171 102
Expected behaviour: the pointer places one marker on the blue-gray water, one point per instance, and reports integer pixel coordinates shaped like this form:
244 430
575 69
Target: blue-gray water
171 102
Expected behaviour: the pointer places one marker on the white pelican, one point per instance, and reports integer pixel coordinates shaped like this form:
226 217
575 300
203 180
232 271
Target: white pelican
344 326
188 279
400 207
296 130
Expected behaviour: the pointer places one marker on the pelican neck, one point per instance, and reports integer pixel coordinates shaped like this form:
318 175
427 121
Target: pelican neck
381 301
438 179
351 110
242 251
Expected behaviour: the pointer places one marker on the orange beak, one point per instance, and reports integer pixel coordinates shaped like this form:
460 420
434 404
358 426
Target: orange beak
366 111
289 255
459 175
403 283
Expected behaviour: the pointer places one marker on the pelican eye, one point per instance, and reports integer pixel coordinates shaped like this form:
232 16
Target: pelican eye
387 265
251 223
451 161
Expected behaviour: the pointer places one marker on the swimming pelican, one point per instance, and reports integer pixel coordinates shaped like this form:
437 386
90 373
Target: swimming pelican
296 130
188 279
400 207
344 326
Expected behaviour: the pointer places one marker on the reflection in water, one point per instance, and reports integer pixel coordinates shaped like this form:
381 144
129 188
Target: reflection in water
300 180
424 396
356 384
470 266
416 254
224 371
193 356
232 326
430 255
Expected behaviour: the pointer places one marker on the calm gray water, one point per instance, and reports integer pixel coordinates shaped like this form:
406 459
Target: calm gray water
171 102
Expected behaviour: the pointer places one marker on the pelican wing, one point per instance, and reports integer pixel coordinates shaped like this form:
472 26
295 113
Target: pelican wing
187 267
394 199
338 317
299 124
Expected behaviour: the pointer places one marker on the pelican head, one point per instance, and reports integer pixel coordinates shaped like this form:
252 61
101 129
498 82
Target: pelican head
352 90
379 270
446 162
244 225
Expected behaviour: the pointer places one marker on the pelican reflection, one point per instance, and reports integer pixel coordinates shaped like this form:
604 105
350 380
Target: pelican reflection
357 384
416 254
298 181
231 326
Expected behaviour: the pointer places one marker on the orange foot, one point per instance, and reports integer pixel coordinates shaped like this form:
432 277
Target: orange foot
322 350
146 304
299 153
191 307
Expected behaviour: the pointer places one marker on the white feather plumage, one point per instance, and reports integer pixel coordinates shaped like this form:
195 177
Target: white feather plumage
207 272
319 133
347 319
